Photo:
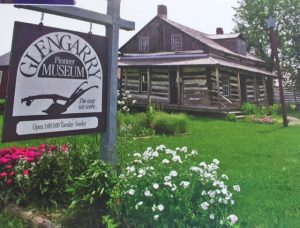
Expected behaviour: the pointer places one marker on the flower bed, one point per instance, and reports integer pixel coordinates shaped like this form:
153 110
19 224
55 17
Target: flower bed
168 188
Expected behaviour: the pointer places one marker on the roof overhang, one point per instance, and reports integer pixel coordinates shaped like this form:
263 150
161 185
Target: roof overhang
188 60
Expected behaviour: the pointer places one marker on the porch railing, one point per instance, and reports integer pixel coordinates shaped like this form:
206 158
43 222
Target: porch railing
224 104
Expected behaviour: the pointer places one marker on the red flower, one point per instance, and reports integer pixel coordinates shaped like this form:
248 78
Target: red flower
65 148
8 166
3 174
26 172
9 181
12 173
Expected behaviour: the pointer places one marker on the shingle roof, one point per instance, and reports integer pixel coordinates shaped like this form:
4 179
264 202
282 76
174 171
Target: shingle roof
205 39
4 59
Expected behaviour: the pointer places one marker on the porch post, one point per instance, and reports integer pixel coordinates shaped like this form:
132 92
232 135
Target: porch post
149 85
126 78
178 85
255 90
218 86
265 92
239 87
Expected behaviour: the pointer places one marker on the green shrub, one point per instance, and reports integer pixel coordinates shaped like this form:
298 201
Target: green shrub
249 108
165 123
231 117
2 102
276 109
169 188
292 107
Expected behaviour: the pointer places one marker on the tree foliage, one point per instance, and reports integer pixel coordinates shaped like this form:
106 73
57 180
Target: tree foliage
250 20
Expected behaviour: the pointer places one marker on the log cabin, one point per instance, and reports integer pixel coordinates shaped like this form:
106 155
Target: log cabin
4 68
180 68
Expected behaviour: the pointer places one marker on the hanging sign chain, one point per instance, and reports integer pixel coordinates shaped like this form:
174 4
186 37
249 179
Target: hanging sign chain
42 19
91 27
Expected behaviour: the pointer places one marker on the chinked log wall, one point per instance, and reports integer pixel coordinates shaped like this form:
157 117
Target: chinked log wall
195 86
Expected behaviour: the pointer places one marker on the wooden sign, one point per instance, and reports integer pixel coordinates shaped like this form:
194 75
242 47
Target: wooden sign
56 83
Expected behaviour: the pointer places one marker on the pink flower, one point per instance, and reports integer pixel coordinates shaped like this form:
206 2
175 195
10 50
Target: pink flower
3 174
65 148
9 181
26 172
8 166
12 174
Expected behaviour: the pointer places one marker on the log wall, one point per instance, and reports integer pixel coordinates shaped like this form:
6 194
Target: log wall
195 86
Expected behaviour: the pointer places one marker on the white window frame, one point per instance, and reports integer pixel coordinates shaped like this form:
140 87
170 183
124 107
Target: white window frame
176 42
144 86
226 86
144 44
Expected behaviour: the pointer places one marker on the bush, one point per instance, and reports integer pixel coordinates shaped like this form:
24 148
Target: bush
231 117
169 188
165 123
276 109
249 108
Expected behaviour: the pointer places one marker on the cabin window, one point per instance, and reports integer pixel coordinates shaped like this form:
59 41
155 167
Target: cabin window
241 47
144 82
257 90
0 76
226 86
143 44
176 42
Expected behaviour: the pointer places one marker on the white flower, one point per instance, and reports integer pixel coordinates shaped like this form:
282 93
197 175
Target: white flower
131 192
147 193
156 217
194 152
155 186
154 207
224 176
216 161
142 171
174 187
232 202
184 149
138 204
160 207
176 158
212 216
133 101
203 193
233 219
155 154
173 173
204 205
167 178
236 188
161 147
211 201
185 184
168 183
165 161
195 169
137 155
221 222
130 169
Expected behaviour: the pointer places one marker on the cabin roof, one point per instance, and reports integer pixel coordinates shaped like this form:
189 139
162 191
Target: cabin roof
171 59
206 39
4 59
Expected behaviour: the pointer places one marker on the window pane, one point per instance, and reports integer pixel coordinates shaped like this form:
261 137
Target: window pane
176 42
0 76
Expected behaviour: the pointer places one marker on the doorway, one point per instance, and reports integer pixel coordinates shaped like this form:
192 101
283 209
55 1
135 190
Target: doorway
173 87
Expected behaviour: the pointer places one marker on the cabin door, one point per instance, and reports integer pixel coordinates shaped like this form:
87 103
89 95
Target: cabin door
173 87
243 87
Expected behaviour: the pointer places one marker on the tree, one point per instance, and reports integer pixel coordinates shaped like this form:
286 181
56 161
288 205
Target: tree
250 20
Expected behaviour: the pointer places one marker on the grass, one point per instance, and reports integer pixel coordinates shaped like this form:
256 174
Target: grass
263 159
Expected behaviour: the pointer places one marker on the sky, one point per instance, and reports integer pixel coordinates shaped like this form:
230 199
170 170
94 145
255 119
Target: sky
203 15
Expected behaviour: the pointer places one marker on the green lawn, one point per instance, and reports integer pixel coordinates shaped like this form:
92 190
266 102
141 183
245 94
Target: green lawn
263 159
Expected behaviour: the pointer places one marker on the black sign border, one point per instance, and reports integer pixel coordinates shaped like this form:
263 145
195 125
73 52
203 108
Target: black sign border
24 35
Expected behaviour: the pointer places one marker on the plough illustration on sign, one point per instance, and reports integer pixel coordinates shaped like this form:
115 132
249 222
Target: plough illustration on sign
56 108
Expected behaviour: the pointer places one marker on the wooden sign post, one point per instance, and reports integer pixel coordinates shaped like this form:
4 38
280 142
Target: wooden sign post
113 23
